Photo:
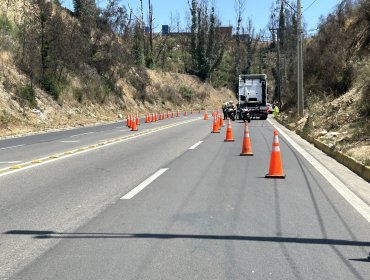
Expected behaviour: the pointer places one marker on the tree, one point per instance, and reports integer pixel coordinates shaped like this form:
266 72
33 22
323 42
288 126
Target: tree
138 48
207 46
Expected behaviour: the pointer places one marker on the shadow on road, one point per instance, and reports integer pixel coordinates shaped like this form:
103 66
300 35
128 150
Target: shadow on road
279 239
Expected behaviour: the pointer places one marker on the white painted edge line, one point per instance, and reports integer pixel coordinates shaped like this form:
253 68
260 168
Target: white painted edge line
11 147
6 162
341 188
195 145
144 132
144 184
69 141
81 134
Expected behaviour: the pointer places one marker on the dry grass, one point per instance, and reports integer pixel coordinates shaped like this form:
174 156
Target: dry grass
162 92
337 122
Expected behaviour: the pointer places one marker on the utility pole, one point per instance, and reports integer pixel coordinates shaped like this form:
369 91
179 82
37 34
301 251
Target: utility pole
300 60
278 86
278 66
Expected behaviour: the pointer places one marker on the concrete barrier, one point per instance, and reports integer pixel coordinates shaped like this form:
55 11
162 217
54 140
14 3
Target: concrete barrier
357 167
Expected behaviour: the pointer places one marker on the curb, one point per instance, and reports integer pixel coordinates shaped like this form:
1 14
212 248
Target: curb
355 166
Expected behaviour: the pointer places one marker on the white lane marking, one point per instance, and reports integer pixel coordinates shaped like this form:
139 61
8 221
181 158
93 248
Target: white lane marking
69 141
341 188
6 162
11 147
195 145
81 134
79 152
144 184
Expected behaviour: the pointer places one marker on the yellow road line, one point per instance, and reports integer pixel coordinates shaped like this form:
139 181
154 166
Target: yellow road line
50 158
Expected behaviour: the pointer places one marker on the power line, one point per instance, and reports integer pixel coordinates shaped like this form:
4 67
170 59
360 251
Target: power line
309 6
290 6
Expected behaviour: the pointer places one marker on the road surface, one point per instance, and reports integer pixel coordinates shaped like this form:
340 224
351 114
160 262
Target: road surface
173 201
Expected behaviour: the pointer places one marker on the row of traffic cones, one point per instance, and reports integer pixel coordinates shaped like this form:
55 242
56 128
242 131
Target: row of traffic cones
133 121
276 167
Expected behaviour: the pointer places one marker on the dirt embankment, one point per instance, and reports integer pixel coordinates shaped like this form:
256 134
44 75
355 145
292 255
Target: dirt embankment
337 122
163 91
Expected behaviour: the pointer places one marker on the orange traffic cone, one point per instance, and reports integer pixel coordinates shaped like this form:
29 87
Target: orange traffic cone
173 115
185 113
215 127
220 121
247 146
276 166
205 116
131 121
128 121
137 119
229 132
133 125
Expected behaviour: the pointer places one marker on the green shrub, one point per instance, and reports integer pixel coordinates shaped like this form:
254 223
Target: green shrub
78 94
5 25
49 85
365 104
307 128
186 93
26 96
5 118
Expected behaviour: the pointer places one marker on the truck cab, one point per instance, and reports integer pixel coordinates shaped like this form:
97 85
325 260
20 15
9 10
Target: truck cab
252 95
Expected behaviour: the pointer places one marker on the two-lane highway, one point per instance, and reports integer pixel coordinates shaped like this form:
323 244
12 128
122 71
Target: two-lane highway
14 151
180 203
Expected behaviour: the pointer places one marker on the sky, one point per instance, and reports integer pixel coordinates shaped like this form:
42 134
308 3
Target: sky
257 10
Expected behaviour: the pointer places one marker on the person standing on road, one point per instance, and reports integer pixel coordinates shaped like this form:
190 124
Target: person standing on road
224 109
276 111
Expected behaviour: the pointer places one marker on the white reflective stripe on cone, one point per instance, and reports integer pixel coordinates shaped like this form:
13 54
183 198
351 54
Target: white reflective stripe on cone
276 149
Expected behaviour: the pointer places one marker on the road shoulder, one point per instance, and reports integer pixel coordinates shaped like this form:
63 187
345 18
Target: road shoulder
350 179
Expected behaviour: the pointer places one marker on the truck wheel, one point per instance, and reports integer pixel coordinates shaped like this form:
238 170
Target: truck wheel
263 117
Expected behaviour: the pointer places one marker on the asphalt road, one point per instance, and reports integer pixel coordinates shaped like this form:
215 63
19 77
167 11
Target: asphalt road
210 214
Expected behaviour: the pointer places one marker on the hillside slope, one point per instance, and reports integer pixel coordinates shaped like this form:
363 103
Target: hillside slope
336 122
165 91
81 93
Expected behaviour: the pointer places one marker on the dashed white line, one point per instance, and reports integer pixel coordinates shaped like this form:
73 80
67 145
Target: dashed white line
6 162
11 147
6 171
144 184
341 188
195 145
81 134
70 141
